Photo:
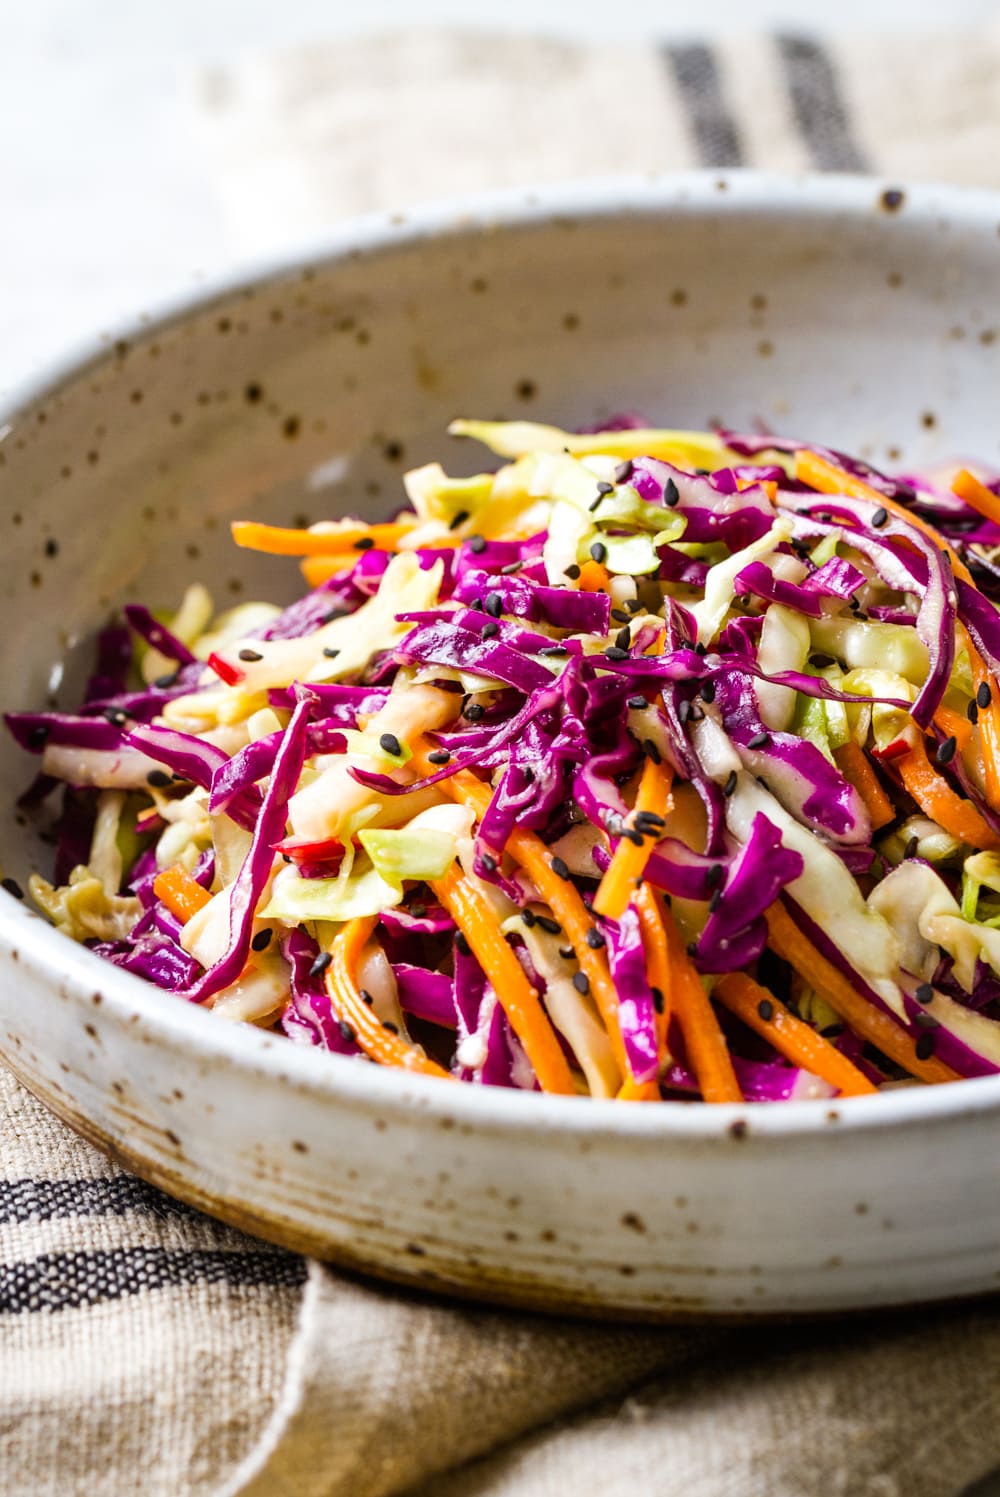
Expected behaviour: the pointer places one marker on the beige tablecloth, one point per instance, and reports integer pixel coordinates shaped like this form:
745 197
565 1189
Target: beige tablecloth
145 1349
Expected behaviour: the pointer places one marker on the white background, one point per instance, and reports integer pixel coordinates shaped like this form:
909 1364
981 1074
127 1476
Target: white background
108 203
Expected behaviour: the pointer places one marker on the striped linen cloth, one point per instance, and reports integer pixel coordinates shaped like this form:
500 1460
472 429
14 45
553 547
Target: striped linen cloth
146 1349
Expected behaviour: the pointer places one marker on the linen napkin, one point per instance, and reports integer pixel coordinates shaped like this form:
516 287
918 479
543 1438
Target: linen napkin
146 1349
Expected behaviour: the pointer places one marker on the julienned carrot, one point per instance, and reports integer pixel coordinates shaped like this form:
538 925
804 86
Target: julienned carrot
279 541
382 1044
854 767
560 895
797 1042
520 1002
954 724
593 577
820 474
937 800
975 493
319 569
630 858
989 721
704 1041
182 894
658 974
867 1021
638 1091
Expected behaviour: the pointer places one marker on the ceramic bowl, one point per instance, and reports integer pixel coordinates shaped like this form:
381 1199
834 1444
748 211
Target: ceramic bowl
858 313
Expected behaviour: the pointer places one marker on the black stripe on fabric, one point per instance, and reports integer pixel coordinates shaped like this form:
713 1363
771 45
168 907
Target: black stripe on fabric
67 1281
47 1200
696 75
819 110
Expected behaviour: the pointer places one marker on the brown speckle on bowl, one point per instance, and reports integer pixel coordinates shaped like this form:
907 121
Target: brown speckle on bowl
51 547
479 284
526 389
570 322
758 301
739 1128
299 1146
633 1221
173 1137
291 427
415 1250
678 297
393 451
833 1116
928 420
253 392
988 336
765 348
224 324
894 279
891 200
547 1235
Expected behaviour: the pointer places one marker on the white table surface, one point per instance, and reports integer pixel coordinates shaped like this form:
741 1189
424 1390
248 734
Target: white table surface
109 202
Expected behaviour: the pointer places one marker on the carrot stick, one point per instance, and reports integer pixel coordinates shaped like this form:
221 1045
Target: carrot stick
853 765
955 724
704 1041
278 541
350 1008
560 895
593 578
820 474
794 1040
182 895
864 1018
626 867
528 1019
638 1091
937 800
968 487
319 569
658 974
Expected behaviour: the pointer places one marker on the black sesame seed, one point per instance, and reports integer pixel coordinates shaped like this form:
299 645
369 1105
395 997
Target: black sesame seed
604 487
390 1026
366 997
511 568
595 940
658 1000
250 656
700 649
924 1048
490 631
476 605
38 736
854 603
346 1031
330 652
573 572
708 691
418 911
493 605
684 711
715 901
581 982
692 948
879 517
334 613
925 993
910 850
599 551
637 703
550 926
972 713
559 868
697 712
623 638
766 1010
553 650
262 939
983 696
594 504
13 887
649 819
633 605
458 520
115 717
320 965
633 835
946 751
439 756
713 875
566 952
759 740
620 616
926 1021
365 543
474 711
651 751
615 652
477 544
164 683
489 862
671 493
389 744
462 946
529 917
158 777
730 784
624 471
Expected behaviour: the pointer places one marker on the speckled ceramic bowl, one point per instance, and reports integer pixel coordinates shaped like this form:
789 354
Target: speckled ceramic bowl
845 310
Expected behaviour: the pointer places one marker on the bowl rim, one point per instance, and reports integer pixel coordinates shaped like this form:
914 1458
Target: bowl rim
38 948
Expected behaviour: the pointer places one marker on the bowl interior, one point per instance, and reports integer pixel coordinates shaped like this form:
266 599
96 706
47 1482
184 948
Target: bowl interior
811 306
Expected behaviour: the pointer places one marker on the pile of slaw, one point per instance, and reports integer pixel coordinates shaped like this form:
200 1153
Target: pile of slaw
646 764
